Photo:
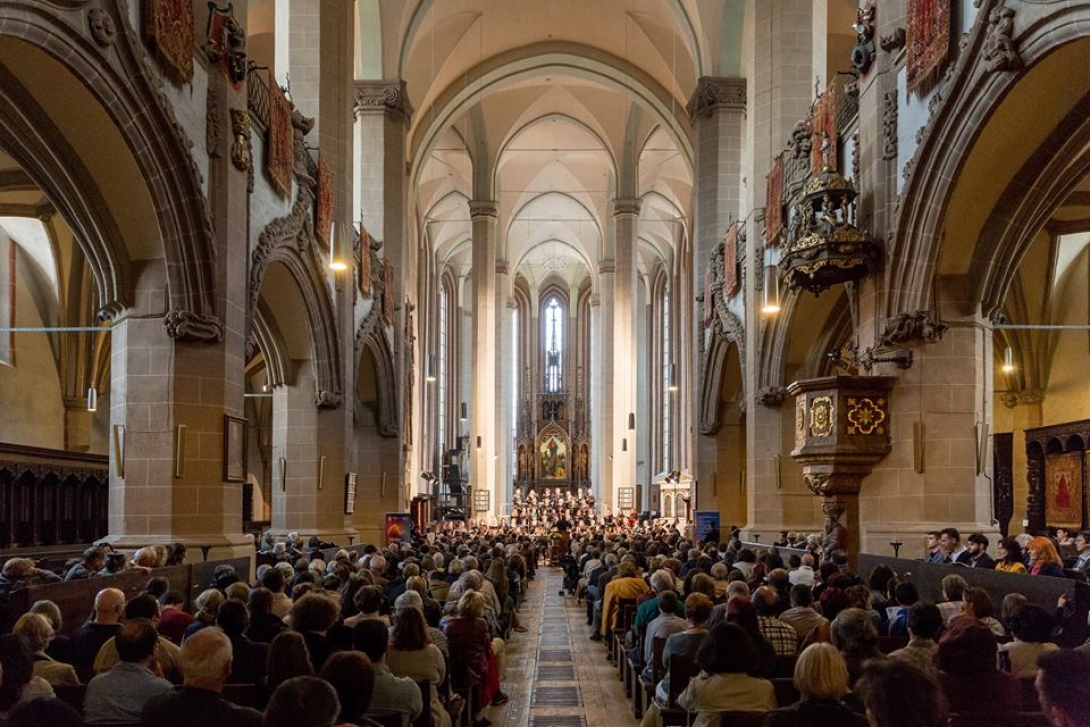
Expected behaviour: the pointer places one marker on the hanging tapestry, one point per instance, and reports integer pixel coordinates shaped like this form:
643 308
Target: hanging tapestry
364 282
823 151
709 278
928 43
1063 489
279 157
324 214
168 26
774 201
227 43
730 262
388 292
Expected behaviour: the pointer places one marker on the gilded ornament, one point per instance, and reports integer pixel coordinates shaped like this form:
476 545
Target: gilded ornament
866 416
242 156
822 412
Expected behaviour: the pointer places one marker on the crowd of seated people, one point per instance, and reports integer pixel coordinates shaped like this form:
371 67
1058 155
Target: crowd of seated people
390 635
734 621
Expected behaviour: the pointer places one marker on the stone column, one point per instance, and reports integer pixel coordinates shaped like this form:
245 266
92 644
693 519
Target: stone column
504 360
623 369
789 56
483 428
601 425
718 114
382 115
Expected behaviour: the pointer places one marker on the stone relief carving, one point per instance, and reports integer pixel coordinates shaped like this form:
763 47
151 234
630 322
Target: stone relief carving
771 396
911 327
999 52
894 41
242 155
184 325
864 51
381 96
857 154
226 44
1024 397
889 125
212 122
102 27
716 93
797 163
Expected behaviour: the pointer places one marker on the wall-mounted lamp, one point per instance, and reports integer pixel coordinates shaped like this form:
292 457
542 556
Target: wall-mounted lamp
671 378
336 262
463 411
770 291
1008 360
431 367
631 420
92 399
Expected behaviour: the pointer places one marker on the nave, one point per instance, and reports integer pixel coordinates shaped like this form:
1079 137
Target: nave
556 676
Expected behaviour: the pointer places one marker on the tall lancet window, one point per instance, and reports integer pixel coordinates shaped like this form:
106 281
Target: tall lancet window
554 346
441 404
667 355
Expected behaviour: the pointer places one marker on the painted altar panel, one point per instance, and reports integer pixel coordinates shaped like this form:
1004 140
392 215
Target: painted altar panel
1063 489
553 455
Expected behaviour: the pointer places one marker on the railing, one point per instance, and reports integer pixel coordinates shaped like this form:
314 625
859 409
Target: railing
51 497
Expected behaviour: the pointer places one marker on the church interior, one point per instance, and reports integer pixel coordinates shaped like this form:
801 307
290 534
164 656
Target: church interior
303 261
327 267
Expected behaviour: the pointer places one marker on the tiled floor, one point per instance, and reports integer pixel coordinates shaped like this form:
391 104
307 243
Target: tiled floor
556 676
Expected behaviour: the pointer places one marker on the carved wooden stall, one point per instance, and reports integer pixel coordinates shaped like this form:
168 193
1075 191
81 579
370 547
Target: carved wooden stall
1056 473
51 497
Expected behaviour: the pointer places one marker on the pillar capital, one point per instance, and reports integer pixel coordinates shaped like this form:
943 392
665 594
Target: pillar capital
626 207
715 92
386 96
482 208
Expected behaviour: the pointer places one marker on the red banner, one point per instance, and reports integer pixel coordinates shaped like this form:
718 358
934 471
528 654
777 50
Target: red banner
279 156
324 213
388 292
928 43
168 25
730 262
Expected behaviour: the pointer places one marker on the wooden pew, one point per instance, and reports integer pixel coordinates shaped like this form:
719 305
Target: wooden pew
76 598
927 577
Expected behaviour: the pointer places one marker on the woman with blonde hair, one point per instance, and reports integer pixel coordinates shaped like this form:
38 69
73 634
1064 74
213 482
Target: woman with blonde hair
38 633
821 676
1043 558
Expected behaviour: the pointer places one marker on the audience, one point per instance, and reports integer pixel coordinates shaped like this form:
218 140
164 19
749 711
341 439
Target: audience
121 693
304 702
350 673
821 676
393 694
206 662
38 633
725 658
897 694
449 622
1063 687
17 680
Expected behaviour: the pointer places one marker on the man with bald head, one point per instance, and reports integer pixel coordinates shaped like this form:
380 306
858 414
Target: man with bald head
206 661
784 638
104 624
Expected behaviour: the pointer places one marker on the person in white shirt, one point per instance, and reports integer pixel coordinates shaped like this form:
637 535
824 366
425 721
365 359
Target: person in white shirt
804 574
723 684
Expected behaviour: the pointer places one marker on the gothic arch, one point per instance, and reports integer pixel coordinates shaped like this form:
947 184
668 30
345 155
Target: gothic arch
270 341
291 241
371 340
116 71
977 85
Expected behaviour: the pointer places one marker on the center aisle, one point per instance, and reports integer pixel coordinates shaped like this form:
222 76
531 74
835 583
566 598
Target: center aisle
556 676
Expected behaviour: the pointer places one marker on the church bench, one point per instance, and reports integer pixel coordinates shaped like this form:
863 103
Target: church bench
742 719
76 598
1043 590
991 719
